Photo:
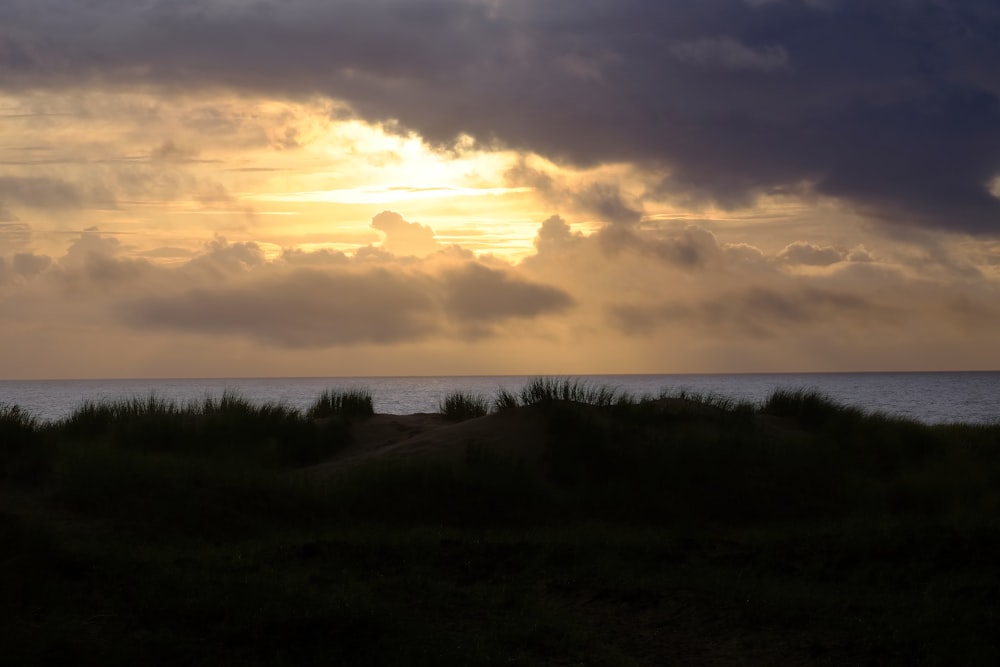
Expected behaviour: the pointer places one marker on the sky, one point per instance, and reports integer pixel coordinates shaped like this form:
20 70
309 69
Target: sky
246 188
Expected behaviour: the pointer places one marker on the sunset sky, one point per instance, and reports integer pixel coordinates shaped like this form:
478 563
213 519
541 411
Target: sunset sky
219 188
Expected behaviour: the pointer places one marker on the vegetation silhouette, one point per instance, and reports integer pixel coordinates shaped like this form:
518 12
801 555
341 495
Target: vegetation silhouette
561 523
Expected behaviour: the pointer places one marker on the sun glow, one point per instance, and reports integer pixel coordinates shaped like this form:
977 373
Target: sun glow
380 194
348 171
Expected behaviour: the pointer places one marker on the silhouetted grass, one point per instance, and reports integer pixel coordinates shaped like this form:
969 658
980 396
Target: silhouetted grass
22 457
460 405
710 400
663 530
675 457
811 408
16 425
505 399
228 426
542 390
347 403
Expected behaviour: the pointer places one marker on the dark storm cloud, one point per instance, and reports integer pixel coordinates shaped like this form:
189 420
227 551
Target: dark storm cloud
890 106
727 53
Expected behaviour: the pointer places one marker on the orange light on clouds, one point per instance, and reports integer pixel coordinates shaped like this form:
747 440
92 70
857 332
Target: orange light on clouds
384 194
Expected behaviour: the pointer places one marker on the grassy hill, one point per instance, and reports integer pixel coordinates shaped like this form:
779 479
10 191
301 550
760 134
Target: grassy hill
563 524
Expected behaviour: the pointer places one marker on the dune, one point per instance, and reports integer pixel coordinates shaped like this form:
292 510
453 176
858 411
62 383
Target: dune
521 432
518 431
654 531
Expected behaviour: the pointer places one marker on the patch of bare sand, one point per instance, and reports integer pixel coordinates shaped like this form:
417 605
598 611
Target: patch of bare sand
519 432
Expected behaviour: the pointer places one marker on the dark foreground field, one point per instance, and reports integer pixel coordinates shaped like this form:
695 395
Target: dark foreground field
568 526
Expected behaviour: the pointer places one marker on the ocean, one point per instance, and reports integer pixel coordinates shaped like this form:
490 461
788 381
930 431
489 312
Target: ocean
929 397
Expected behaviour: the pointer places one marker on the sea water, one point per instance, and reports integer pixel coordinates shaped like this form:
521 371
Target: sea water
929 397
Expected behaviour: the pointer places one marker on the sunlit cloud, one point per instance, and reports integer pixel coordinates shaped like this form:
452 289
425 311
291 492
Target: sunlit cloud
384 194
401 186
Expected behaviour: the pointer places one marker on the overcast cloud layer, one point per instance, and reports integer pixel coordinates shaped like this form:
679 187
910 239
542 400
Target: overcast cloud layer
891 107
333 187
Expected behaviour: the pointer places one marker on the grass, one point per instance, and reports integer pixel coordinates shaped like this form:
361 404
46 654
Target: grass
544 390
227 426
459 406
505 399
350 403
676 528
813 409
22 457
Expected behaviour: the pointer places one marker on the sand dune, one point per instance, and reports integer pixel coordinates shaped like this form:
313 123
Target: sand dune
519 431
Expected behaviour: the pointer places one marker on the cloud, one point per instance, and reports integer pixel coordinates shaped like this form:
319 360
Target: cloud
322 257
168 253
757 312
305 308
804 253
690 247
809 254
555 235
477 294
602 198
724 100
169 151
353 305
29 265
404 238
39 192
222 258
728 54
745 253
91 243
673 296
608 203
14 234
816 4
96 264
860 253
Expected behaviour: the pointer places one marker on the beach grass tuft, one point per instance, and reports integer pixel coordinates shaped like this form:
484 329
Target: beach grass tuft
460 406
505 399
272 434
545 390
810 407
348 403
